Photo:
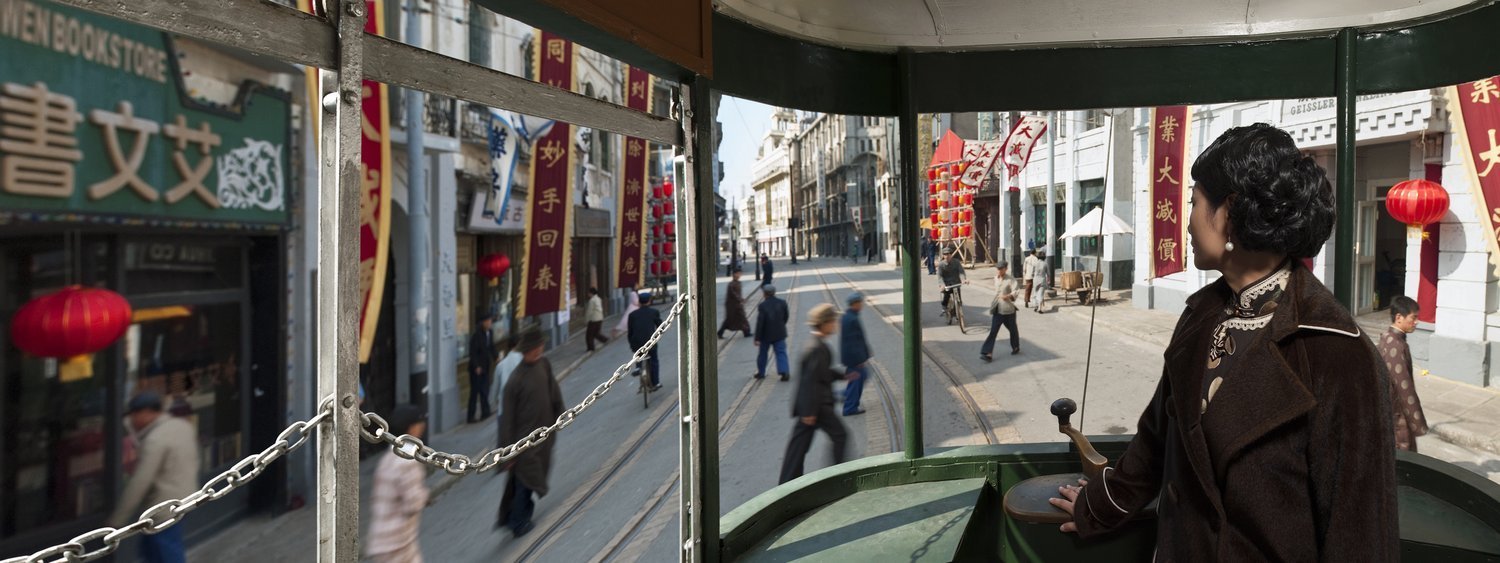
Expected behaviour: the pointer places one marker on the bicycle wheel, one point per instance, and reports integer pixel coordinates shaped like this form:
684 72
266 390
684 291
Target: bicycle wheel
645 389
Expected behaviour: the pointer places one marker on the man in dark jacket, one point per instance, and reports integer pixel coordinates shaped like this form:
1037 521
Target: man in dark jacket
854 350
481 360
641 325
813 404
930 249
766 269
770 332
734 307
532 400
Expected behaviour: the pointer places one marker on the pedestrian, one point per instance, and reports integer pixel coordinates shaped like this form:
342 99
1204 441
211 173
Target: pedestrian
854 350
1028 269
643 323
771 317
734 307
1002 313
503 369
854 256
166 468
871 259
398 494
532 400
481 359
766 270
1409 421
812 407
595 317
930 249
1268 437
632 302
1039 281
951 274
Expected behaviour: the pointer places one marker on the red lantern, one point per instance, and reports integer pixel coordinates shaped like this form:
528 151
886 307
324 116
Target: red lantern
72 323
667 188
667 205
655 231
670 227
493 266
656 192
656 211
932 188
953 169
1417 203
932 173
935 232
668 248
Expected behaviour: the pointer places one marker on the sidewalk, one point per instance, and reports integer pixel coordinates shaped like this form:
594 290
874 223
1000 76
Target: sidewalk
1458 413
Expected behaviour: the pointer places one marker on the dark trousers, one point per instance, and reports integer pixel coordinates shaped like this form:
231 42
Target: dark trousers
783 365
595 332
802 437
1026 298
996 321
479 394
653 365
931 269
521 506
742 325
856 388
164 547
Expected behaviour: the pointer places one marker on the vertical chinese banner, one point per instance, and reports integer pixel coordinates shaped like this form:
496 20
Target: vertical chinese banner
375 183
549 227
1477 110
630 254
1168 178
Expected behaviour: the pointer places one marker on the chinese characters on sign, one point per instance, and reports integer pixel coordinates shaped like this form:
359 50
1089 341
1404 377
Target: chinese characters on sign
1168 154
549 202
1478 117
981 156
631 253
1018 145
375 224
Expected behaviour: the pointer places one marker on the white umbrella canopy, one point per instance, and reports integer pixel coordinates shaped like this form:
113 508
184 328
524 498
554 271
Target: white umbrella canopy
1090 225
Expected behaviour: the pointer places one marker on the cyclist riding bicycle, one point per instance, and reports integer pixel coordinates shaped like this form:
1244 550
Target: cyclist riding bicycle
951 273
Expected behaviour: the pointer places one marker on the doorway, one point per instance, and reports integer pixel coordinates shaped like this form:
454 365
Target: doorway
1379 251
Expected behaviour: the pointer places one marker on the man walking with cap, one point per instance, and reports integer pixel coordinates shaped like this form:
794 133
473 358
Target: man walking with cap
771 317
481 359
734 307
595 318
951 273
166 468
397 496
532 400
1002 313
854 350
812 407
643 323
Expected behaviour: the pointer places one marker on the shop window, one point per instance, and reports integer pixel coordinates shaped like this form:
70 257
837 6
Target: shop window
190 355
174 265
1090 195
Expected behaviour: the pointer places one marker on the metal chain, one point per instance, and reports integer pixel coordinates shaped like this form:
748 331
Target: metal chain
167 513
377 430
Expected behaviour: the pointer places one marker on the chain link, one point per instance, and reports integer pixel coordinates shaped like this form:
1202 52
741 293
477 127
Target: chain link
164 515
377 430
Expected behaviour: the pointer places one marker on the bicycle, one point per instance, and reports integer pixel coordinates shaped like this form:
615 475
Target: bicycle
643 381
955 307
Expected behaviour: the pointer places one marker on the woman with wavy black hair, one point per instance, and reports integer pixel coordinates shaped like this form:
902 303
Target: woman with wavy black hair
1268 438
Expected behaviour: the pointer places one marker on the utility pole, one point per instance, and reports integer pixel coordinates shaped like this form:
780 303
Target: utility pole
418 264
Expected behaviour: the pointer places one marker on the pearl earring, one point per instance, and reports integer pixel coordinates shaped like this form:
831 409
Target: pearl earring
1229 247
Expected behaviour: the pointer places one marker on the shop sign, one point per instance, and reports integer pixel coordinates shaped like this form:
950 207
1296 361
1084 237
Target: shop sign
630 254
1306 110
1168 165
549 201
180 257
591 223
481 221
1477 108
1018 146
97 123
981 157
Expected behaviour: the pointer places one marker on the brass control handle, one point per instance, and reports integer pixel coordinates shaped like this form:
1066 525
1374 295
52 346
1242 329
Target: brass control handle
1093 462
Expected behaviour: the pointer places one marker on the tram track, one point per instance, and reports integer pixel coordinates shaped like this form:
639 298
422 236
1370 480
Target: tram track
880 374
624 458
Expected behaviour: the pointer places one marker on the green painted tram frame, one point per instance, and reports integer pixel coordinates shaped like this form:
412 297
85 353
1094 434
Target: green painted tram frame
760 65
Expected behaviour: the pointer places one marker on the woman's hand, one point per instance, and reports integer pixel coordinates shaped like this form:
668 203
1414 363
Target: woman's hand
1070 496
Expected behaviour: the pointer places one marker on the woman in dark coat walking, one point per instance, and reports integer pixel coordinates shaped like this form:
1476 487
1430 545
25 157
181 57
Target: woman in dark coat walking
1269 437
734 307
532 400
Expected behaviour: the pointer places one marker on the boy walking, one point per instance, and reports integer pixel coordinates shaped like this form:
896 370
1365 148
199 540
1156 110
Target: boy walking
1409 421
1002 313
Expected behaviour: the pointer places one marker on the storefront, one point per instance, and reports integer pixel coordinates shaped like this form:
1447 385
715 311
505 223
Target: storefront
593 235
179 206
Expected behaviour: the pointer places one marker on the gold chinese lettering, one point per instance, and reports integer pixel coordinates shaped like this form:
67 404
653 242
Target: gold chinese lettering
1484 91
127 170
192 176
39 141
632 187
1168 128
630 265
1166 250
1491 157
551 151
1164 174
1165 211
547 238
549 200
544 280
633 215
365 125
633 148
638 88
557 50
631 240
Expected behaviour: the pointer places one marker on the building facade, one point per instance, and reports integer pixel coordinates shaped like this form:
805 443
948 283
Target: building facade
838 161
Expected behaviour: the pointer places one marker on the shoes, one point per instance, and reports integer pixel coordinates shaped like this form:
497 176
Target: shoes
721 335
1014 351
986 357
759 376
521 531
748 335
785 377
855 412
656 387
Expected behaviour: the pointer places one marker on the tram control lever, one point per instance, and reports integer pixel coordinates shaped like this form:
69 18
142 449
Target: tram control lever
1093 463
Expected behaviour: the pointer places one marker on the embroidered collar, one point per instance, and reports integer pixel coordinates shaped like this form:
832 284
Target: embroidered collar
1259 298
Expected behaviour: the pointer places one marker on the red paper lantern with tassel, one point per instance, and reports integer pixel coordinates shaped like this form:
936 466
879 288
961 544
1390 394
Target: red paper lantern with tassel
1417 203
73 324
667 188
670 228
492 266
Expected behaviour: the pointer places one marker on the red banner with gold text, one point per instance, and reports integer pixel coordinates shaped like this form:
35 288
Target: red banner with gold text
549 203
1168 166
630 255
1477 112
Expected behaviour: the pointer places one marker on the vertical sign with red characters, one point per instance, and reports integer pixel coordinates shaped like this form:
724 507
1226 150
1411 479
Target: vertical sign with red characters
1477 108
1168 167
549 205
630 255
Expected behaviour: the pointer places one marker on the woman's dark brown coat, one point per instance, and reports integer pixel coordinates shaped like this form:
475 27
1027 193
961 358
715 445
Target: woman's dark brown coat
1292 461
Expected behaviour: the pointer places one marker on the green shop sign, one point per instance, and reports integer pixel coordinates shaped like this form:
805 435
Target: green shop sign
94 120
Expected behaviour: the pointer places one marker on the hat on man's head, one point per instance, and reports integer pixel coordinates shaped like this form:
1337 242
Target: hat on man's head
146 400
737 269
404 416
644 297
768 288
820 314
1001 265
531 339
853 298
485 315
948 250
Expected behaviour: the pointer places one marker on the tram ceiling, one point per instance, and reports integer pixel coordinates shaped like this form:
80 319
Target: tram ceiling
268 29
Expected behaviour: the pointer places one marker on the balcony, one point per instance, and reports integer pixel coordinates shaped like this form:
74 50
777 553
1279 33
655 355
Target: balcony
438 116
476 124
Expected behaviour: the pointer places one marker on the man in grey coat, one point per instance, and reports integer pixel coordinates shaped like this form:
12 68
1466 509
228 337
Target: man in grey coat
813 404
166 468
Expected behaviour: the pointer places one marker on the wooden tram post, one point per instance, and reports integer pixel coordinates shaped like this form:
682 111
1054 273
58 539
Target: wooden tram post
911 278
1343 236
338 283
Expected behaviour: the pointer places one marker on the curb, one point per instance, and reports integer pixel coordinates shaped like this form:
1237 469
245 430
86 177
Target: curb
1465 438
1126 330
